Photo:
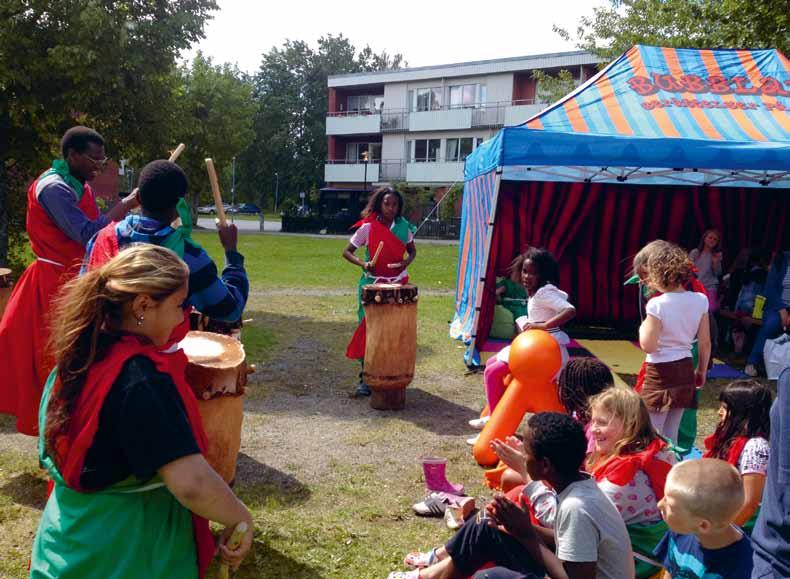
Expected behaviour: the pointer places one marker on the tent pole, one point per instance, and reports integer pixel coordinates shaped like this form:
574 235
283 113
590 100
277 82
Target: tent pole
471 353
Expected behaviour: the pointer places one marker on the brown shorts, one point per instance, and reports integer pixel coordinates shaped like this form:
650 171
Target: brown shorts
669 385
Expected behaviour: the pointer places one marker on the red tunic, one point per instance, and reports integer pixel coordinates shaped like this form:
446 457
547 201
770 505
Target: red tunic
24 329
392 251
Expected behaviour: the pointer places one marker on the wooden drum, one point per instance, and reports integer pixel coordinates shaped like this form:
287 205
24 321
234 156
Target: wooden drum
391 342
217 373
6 287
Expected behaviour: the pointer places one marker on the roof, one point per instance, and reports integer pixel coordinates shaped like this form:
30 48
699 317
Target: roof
661 115
474 68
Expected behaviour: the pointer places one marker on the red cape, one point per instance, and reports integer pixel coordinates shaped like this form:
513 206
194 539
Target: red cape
26 362
621 470
72 448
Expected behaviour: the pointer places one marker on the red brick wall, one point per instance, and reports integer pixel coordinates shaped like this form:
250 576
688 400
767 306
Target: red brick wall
105 186
523 87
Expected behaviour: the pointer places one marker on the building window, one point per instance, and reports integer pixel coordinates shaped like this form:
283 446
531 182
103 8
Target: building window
425 150
354 152
365 104
425 99
458 149
464 96
478 142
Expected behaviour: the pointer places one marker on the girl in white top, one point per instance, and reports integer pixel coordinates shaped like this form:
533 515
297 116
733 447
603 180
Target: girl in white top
674 319
548 309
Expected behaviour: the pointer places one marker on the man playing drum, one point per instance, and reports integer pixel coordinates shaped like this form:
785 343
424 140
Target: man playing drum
62 216
386 236
162 188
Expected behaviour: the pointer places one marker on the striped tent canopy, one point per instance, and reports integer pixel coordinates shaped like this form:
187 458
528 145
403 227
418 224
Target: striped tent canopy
706 119
659 116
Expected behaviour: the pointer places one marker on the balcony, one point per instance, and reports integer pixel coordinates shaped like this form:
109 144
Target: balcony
479 116
353 123
441 120
520 111
439 172
337 171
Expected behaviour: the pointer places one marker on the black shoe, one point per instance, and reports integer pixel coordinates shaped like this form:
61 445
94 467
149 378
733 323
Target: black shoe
361 391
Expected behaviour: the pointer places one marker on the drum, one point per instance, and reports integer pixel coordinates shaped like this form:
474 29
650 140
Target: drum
6 287
390 343
217 373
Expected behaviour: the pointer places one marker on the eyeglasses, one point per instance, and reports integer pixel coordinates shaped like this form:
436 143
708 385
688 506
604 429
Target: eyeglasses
98 162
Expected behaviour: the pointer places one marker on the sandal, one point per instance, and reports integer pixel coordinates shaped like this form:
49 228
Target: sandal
418 560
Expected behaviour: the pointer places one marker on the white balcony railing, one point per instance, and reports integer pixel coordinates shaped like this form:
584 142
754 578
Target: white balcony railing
360 124
340 171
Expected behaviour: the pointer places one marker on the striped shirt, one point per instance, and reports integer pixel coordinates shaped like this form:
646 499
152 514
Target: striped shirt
219 297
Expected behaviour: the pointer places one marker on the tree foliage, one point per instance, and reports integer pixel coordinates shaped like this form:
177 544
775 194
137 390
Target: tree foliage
552 88
105 63
290 91
215 114
614 28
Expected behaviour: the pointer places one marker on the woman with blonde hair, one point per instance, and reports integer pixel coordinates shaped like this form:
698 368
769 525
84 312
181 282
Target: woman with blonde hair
630 463
121 436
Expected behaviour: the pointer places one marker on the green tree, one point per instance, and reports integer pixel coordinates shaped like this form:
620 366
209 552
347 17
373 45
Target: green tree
215 117
105 63
614 28
553 88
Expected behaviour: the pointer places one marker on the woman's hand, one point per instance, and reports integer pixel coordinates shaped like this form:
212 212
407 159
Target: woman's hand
700 376
234 557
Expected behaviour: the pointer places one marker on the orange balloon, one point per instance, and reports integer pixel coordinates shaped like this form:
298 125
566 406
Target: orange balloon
534 357
520 397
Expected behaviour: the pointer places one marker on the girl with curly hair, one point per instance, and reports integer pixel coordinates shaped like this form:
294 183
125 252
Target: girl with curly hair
674 319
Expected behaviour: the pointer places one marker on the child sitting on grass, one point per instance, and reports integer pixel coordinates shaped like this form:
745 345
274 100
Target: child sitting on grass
581 379
590 537
741 438
701 500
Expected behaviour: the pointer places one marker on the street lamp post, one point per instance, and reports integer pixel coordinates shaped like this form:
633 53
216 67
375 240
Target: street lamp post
276 190
365 180
233 187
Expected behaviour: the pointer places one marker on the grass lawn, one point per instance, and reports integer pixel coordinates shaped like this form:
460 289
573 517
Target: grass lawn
330 481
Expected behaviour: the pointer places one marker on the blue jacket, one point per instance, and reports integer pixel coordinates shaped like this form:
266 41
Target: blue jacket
773 283
770 538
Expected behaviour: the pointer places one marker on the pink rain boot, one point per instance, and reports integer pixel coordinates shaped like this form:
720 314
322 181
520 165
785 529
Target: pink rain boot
435 477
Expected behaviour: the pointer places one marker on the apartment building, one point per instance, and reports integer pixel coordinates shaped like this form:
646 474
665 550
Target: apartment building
417 125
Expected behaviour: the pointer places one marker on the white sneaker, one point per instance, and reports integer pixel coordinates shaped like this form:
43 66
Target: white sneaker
750 370
472 441
479 423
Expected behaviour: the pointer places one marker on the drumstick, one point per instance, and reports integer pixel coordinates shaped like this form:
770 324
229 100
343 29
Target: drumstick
177 152
376 255
212 176
233 544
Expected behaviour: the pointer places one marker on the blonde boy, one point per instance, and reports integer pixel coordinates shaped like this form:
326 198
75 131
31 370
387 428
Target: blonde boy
701 499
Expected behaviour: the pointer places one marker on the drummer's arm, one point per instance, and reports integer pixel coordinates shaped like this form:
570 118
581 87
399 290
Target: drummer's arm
411 251
348 255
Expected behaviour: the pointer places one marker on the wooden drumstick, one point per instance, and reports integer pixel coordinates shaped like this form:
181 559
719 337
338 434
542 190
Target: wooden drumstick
233 544
376 255
212 176
177 152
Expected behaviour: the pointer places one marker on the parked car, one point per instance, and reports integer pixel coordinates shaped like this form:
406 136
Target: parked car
247 208
211 209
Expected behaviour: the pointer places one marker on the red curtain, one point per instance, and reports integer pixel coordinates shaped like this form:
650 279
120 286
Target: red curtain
595 229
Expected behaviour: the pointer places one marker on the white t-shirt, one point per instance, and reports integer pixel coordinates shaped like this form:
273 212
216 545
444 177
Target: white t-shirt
754 457
543 305
589 528
680 314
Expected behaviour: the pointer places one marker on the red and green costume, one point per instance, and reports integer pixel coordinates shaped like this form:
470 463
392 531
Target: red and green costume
621 470
131 529
394 241
25 327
